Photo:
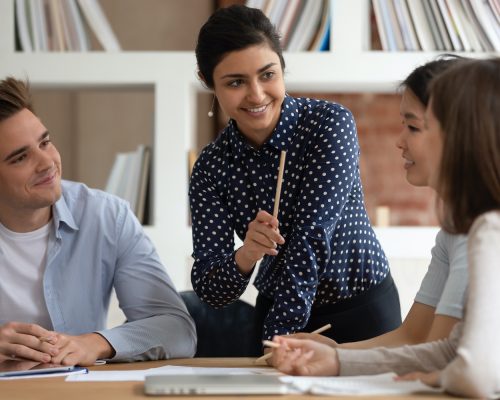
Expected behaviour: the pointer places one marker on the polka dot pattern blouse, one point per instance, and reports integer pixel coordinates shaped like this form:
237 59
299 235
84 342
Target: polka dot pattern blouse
330 251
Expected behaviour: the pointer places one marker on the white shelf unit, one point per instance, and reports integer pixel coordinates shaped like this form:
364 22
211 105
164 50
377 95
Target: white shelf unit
349 67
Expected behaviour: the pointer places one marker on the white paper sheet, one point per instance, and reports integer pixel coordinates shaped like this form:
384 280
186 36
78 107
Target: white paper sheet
138 375
383 384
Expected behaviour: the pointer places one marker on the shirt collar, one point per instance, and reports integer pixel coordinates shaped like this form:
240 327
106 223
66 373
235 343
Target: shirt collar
282 135
286 128
63 214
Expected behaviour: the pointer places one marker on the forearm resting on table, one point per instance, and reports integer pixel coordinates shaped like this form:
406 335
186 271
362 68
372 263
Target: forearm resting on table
420 325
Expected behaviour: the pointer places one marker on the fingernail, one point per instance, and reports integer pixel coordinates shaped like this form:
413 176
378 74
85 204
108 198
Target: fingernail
46 358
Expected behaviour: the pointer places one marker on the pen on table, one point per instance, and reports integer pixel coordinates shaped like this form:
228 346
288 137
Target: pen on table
275 345
278 183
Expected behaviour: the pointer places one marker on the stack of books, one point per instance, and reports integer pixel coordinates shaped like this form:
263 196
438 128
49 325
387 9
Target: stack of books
438 25
304 25
62 25
129 179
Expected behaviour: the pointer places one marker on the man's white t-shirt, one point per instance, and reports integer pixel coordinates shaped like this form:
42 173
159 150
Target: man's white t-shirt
22 266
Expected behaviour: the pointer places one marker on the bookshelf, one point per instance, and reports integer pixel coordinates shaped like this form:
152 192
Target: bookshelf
350 66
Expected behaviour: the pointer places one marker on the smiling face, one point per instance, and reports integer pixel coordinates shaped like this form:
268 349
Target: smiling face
250 89
30 172
418 143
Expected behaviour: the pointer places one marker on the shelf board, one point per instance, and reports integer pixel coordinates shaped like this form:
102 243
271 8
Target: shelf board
305 71
100 68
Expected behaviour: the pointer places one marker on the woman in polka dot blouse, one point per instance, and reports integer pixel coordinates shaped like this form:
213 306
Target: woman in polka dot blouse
320 259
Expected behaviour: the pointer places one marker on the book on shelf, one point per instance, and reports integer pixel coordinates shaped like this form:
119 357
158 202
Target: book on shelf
38 28
23 26
434 25
495 7
487 21
480 32
302 24
76 36
321 40
438 19
100 25
444 25
129 179
58 25
396 26
289 20
422 27
464 26
276 11
450 26
56 22
381 25
307 26
410 39
382 9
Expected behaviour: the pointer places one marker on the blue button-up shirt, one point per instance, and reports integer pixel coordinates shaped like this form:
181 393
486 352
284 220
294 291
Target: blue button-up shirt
330 251
96 245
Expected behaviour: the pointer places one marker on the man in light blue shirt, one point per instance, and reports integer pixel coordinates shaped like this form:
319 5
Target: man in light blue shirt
63 248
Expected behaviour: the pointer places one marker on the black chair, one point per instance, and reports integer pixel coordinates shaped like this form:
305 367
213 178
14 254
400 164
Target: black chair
222 332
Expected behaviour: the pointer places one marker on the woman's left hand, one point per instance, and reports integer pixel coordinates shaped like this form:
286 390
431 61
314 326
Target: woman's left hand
429 378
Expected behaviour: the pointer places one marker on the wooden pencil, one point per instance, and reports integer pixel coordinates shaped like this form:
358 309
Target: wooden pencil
268 355
278 183
270 343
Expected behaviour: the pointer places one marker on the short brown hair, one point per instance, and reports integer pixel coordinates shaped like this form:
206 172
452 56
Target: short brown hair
466 102
15 96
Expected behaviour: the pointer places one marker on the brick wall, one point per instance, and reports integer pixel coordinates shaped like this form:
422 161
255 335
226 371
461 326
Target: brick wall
379 124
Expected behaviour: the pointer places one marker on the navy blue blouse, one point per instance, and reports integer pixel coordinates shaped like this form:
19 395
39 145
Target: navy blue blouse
330 252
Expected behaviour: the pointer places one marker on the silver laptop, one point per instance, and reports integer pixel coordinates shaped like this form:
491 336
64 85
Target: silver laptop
213 384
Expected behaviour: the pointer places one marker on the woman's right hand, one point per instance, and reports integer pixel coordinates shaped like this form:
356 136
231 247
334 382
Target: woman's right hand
26 342
262 238
304 357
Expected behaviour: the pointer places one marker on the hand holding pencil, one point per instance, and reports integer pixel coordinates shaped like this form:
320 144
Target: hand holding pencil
305 357
262 236
277 345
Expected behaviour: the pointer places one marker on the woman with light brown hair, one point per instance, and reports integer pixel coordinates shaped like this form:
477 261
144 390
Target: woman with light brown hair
463 118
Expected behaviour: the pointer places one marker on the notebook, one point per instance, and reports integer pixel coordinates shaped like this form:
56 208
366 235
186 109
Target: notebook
213 384
11 369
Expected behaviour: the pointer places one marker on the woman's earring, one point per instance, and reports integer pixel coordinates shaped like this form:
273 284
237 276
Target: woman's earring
211 112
